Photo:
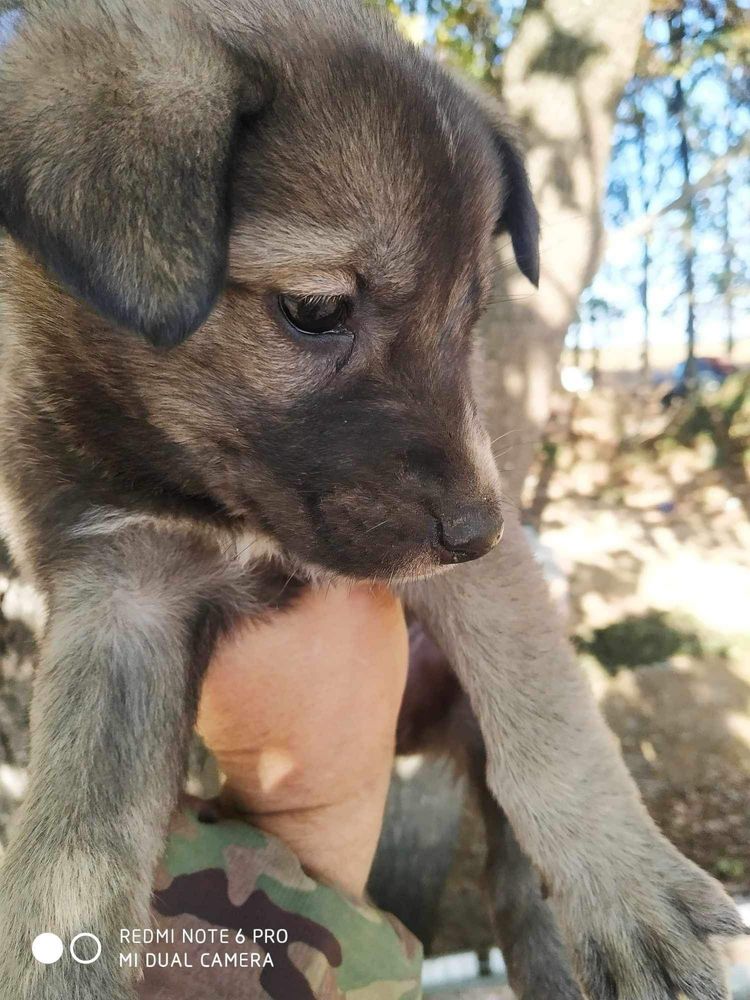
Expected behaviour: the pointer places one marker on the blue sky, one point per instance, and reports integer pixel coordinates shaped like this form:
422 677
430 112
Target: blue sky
617 281
715 123
6 24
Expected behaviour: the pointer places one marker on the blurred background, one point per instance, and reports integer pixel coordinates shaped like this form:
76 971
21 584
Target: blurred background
626 442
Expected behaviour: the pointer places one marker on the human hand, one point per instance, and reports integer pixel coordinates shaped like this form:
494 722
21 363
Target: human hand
301 715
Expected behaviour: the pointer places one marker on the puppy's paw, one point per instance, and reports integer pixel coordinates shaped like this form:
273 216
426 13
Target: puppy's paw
647 936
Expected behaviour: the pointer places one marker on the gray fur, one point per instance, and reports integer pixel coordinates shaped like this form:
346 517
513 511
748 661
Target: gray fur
146 153
115 696
620 891
537 961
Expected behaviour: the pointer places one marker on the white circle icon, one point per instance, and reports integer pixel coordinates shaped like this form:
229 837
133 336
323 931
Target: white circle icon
85 961
47 948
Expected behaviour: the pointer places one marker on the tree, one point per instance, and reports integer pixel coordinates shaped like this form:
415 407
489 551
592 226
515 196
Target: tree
560 75
640 124
598 315
636 176
680 157
679 109
562 78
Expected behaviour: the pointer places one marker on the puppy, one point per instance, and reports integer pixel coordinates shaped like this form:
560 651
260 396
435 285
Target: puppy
249 242
436 720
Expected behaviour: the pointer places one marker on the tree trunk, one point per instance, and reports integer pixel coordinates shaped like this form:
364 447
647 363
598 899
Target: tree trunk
728 264
677 37
564 74
643 290
562 79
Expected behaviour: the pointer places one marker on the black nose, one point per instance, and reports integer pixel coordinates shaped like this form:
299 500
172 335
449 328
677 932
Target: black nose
469 533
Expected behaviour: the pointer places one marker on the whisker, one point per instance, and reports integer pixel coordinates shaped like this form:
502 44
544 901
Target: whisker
374 526
497 455
510 502
515 430
516 444
247 548
286 584
497 300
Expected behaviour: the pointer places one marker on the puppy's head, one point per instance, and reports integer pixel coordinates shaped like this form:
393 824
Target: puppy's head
279 232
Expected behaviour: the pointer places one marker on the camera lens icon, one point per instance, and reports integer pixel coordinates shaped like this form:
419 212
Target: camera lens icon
48 948
85 936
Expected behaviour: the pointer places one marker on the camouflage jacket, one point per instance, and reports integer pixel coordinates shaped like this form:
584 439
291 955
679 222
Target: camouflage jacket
237 918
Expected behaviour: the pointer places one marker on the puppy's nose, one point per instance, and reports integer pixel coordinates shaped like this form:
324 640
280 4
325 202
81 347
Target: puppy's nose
469 533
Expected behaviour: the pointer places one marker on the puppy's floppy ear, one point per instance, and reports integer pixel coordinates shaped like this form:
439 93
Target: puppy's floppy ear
519 216
117 122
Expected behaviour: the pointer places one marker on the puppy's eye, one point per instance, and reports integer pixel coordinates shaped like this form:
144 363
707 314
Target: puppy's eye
315 315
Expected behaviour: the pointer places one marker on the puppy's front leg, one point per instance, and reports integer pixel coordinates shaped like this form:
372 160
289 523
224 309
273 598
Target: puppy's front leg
538 964
113 705
636 914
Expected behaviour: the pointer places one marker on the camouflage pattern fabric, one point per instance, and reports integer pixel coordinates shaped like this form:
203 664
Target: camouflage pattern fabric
237 918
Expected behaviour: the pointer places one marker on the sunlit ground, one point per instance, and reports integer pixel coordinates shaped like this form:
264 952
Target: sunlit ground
648 542
649 523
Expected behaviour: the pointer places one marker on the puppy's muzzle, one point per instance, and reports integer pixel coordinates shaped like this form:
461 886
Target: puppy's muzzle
468 532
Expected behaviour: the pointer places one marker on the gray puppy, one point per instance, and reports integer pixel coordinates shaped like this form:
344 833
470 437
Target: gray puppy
249 242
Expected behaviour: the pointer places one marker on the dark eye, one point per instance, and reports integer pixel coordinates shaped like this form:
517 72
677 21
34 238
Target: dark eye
315 315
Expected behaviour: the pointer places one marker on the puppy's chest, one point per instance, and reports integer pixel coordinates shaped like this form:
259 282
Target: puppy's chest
239 554
248 549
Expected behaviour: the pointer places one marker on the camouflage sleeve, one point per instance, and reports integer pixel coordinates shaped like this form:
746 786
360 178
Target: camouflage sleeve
237 918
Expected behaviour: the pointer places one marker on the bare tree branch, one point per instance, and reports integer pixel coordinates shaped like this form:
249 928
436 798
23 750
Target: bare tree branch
646 223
